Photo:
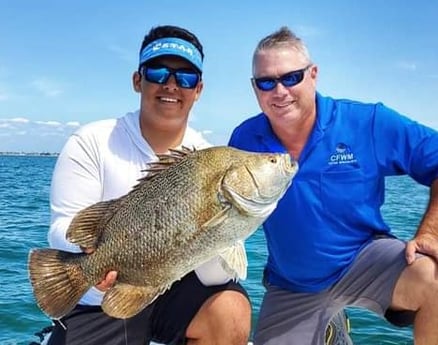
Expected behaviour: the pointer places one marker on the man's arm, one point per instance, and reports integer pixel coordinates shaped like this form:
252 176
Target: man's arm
75 185
426 238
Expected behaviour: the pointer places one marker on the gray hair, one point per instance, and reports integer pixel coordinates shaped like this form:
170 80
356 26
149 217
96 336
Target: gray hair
283 37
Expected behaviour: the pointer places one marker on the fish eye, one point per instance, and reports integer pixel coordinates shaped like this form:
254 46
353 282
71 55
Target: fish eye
273 160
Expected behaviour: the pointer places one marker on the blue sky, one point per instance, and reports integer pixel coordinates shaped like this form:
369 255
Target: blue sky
63 64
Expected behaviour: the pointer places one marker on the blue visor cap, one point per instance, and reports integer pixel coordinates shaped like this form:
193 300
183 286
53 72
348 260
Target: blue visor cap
172 46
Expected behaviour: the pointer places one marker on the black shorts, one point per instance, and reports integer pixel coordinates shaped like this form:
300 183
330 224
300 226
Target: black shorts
164 321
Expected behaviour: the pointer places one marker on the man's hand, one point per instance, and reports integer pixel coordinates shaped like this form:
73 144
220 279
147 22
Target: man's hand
108 282
426 239
110 277
424 244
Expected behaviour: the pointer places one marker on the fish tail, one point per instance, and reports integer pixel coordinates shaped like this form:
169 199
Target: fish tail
57 279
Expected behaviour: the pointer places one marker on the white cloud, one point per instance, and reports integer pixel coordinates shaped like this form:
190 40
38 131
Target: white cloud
15 120
25 135
49 123
47 87
73 124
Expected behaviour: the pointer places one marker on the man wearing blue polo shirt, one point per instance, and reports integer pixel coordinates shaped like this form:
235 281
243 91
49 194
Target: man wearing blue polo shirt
327 242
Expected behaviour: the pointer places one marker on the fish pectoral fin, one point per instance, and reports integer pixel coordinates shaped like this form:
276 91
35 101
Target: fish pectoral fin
87 226
218 218
125 300
234 260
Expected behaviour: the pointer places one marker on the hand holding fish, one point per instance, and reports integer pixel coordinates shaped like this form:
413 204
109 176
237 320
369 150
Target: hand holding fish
108 282
110 277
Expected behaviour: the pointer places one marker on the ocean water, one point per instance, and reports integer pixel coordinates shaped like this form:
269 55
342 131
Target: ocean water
24 219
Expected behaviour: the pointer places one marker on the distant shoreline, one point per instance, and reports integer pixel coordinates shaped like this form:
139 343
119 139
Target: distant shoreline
33 154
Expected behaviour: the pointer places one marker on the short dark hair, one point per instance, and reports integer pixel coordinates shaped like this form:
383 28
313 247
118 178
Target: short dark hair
171 31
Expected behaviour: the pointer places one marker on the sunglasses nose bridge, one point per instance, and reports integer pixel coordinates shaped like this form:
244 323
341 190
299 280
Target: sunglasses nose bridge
280 85
171 80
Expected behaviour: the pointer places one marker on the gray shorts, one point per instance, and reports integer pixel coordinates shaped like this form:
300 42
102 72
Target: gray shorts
288 318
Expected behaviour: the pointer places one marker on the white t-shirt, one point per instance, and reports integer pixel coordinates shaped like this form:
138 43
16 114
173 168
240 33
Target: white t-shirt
101 161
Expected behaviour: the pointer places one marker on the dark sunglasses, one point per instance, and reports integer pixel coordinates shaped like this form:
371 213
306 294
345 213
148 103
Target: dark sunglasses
185 77
288 80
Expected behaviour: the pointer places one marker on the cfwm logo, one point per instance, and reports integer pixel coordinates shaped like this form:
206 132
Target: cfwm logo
342 155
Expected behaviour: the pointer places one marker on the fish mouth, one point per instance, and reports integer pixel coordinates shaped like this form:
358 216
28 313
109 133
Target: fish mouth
264 198
263 186
289 167
289 164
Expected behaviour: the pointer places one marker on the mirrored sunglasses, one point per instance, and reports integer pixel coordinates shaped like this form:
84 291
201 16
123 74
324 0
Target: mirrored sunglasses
185 77
287 80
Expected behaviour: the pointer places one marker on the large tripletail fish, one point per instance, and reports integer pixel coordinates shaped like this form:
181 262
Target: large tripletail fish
191 207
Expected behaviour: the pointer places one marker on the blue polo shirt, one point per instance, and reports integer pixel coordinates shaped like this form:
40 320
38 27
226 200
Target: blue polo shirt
332 208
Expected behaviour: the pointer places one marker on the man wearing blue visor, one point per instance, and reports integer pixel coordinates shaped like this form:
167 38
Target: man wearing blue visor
104 160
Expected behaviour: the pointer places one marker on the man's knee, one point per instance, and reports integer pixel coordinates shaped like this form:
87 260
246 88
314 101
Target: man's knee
230 311
417 285
227 315
428 280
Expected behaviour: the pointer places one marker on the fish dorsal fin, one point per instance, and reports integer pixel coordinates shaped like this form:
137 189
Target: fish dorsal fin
87 226
165 161
126 300
235 261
